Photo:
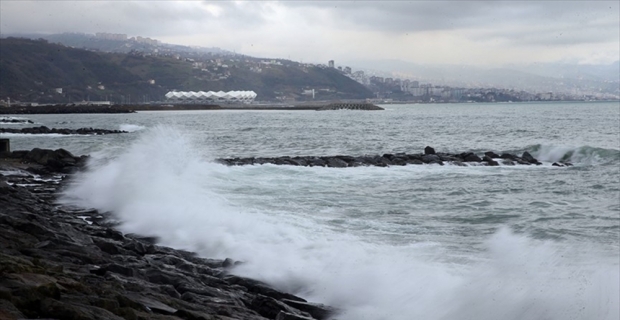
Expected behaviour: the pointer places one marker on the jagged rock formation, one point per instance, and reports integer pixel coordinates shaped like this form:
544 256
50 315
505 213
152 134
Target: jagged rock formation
65 263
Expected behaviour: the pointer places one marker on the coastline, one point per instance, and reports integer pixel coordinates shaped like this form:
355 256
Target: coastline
306 106
68 263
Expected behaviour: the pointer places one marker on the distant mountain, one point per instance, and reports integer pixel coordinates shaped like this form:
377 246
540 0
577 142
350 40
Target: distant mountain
560 78
91 42
36 70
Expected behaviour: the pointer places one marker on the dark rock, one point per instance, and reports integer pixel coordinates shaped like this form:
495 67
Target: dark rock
150 304
122 270
283 315
470 157
492 155
509 156
430 158
9 311
46 130
258 287
381 161
448 158
317 311
490 161
528 157
315 162
67 310
336 163
429 150
269 307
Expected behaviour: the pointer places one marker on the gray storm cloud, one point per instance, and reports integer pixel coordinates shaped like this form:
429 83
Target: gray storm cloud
280 28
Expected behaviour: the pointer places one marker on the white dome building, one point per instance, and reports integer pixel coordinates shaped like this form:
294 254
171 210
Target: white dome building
211 96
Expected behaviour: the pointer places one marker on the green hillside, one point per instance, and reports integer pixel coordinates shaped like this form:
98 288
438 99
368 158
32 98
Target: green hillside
32 70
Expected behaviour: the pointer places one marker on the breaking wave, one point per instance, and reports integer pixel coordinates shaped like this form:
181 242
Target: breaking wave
169 192
584 155
131 127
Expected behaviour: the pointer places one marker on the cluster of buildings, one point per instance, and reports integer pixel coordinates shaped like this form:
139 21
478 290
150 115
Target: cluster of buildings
124 37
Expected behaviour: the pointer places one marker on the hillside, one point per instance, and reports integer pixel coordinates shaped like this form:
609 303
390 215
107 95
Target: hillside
33 70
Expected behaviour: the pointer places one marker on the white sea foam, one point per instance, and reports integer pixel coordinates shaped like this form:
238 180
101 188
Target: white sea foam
12 118
38 135
131 127
161 186
582 155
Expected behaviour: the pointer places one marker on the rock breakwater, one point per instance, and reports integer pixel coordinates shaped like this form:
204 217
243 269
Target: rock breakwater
14 120
350 106
67 108
59 262
429 156
46 130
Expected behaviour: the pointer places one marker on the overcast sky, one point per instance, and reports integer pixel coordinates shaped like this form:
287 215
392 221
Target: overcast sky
482 33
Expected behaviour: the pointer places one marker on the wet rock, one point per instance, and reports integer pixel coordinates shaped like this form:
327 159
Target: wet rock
490 161
429 150
56 266
270 308
9 311
336 163
529 158
470 157
283 315
255 286
492 155
388 159
46 130
430 158
317 311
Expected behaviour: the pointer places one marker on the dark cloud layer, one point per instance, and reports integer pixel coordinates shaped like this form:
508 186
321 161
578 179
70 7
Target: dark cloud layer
518 24
593 21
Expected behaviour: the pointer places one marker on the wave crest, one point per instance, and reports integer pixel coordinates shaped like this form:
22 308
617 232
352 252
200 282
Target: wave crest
583 155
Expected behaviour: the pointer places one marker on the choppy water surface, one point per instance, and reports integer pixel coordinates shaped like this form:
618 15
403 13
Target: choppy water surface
413 242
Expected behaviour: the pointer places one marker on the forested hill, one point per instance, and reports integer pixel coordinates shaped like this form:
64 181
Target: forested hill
33 70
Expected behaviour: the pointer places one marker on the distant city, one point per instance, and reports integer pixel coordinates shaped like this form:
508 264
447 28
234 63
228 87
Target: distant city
214 64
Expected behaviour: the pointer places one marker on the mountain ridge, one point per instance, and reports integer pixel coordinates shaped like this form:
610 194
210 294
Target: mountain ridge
35 70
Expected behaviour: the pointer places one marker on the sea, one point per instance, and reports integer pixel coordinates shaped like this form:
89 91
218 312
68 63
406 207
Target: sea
408 242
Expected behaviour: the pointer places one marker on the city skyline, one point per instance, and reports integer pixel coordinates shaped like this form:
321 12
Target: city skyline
480 33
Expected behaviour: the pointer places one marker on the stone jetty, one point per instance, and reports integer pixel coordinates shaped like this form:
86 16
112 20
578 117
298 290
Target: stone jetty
14 120
66 109
429 156
59 262
349 106
46 130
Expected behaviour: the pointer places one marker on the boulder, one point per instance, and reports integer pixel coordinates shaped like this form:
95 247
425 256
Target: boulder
316 310
283 315
428 158
492 155
529 158
490 161
470 157
336 163
429 150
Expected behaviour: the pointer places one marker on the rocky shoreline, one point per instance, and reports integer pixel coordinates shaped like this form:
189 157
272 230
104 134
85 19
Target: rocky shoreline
46 130
14 120
429 156
59 262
